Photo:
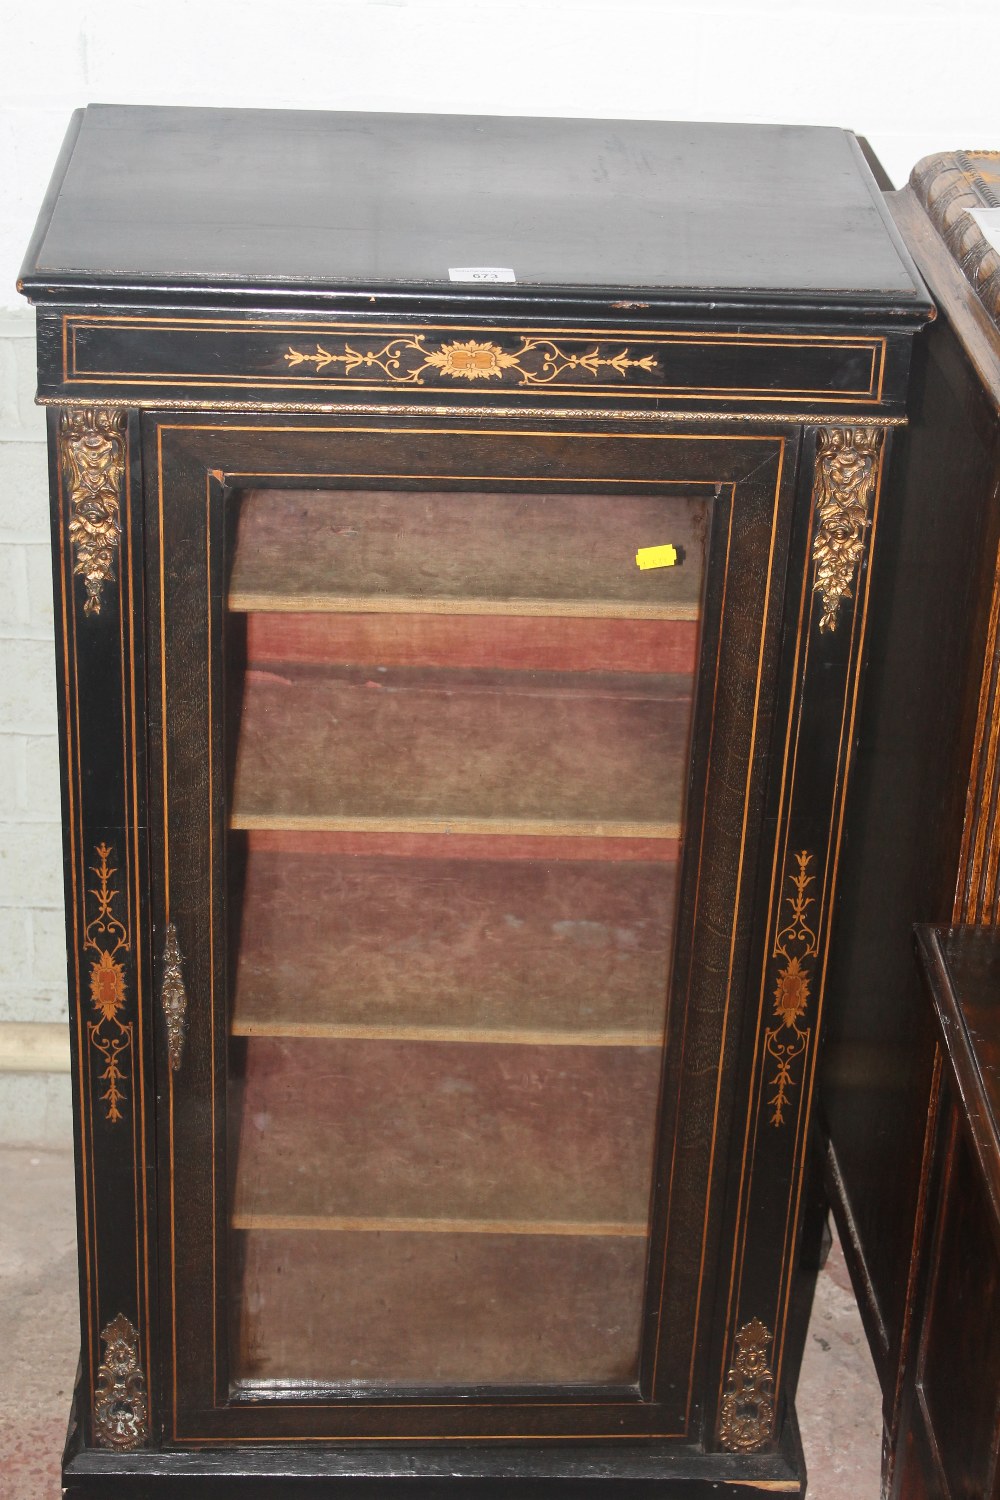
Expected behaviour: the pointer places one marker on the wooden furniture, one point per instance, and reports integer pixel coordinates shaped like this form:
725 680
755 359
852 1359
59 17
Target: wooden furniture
949 1434
921 834
458 668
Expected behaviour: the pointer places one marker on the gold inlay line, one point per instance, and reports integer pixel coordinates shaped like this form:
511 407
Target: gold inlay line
149 322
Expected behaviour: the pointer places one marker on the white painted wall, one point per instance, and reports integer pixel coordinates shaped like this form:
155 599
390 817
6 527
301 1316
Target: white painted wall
914 76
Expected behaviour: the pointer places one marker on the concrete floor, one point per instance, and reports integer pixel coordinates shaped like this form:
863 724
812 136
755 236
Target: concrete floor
39 1321
838 1402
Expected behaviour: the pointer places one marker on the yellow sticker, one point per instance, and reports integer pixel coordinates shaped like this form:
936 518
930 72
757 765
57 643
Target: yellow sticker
656 557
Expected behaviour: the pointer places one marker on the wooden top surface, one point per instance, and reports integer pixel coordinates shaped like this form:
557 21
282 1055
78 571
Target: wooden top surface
274 200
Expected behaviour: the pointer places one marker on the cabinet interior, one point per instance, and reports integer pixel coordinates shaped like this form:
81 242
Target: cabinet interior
457 738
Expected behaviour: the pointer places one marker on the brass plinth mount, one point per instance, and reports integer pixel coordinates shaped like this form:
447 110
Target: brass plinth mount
746 1420
121 1407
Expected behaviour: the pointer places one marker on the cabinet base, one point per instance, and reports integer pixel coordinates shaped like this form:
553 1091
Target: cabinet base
305 1472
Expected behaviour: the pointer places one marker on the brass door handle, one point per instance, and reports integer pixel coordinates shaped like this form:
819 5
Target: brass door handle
173 998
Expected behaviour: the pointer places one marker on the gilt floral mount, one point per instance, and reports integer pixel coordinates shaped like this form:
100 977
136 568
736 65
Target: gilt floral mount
847 461
92 458
415 360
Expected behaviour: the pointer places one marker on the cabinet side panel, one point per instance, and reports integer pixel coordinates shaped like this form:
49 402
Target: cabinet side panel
96 489
931 599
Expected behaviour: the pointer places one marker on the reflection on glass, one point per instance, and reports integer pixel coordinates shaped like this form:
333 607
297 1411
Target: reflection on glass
458 739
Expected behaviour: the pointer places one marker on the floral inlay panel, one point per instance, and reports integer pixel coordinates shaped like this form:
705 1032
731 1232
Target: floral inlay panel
106 938
794 946
412 360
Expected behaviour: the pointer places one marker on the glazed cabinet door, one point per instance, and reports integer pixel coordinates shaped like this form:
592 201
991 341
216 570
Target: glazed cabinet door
459 754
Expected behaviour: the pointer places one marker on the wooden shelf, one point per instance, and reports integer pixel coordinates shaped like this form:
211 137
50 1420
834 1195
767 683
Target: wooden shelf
472 553
339 1224
563 953
507 1036
249 602
436 1308
471 846
365 1130
421 751
561 828
497 642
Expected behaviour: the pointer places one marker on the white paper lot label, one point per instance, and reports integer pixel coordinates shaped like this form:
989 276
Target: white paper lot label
481 273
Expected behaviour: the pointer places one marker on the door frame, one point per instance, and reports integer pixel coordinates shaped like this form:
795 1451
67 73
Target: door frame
192 464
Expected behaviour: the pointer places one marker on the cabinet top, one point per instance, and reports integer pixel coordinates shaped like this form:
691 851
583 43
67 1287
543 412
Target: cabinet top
225 204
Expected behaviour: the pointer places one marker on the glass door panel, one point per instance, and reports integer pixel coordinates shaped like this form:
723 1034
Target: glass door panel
458 747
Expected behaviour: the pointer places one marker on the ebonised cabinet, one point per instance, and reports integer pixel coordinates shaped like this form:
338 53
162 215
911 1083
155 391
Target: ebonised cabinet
461 561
